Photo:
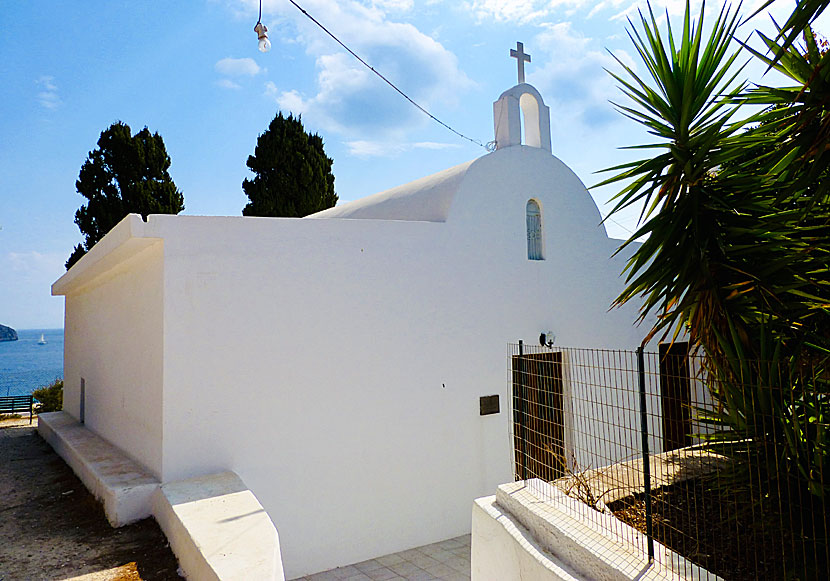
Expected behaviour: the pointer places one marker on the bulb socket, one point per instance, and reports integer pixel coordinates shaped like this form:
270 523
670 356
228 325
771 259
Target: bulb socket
261 30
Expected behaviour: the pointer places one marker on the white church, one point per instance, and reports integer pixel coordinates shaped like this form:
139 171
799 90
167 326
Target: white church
336 362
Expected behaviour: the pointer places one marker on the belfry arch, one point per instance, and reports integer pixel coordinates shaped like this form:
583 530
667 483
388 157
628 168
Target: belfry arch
512 105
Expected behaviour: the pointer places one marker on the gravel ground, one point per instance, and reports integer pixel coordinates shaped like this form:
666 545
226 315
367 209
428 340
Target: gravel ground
51 527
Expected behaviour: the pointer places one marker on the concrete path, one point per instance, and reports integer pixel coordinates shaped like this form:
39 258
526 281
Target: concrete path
445 561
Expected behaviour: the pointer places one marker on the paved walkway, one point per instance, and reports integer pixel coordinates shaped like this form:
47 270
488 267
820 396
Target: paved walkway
445 561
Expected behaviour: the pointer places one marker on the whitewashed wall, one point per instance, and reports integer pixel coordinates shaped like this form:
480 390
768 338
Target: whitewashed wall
113 339
349 355
336 365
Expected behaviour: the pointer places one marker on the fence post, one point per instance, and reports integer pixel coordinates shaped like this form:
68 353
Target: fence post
522 412
641 372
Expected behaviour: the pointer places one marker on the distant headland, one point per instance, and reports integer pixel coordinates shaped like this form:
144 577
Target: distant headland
7 333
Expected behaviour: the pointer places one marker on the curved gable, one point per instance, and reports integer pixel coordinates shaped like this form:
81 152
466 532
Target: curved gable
427 199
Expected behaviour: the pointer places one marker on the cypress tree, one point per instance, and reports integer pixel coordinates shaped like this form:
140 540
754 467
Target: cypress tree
125 174
292 172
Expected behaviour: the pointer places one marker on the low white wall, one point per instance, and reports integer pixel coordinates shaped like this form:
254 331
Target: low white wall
504 550
215 525
122 486
113 339
532 530
218 530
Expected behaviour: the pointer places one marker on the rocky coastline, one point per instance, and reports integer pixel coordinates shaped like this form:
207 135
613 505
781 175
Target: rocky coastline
7 333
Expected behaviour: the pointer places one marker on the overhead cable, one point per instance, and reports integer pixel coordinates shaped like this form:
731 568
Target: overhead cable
387 81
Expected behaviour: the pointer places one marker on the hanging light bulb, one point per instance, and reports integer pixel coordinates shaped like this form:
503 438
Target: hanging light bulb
262 34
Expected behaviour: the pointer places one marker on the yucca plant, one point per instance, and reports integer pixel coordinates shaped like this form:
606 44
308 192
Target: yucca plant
679 268
736 221
791 148
773 411
736 213
804 12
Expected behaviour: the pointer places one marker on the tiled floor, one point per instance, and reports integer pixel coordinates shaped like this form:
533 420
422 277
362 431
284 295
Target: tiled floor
445 561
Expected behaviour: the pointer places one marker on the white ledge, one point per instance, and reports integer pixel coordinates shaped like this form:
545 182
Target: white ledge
547 535
123 486
218 529
126 239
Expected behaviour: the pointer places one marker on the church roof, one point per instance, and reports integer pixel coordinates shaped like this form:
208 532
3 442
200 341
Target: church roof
427 199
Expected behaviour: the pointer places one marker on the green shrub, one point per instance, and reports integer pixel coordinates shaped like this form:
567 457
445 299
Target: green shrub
50 397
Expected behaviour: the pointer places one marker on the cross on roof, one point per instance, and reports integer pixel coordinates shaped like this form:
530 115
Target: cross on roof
522 58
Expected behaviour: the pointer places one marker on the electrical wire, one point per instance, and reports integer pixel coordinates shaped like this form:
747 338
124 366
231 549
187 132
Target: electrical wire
618 224
488 147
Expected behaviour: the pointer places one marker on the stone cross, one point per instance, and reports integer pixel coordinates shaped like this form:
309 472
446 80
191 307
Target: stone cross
522 58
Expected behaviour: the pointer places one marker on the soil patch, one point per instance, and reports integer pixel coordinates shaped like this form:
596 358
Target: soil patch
738 534
52 528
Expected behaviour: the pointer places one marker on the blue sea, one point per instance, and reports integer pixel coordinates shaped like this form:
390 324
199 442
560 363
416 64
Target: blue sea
25 365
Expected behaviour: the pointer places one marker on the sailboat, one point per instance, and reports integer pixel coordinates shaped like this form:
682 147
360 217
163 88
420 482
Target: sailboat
42 340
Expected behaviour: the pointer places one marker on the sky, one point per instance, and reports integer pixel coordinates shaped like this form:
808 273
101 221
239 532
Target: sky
191 72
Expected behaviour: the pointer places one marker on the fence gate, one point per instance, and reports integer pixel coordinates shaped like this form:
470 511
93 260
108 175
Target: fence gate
675 395
538 414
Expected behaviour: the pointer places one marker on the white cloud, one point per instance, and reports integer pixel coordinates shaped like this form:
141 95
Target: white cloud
539 11
394 5
243 67
606 5
288 101
47 82
48 96
363 148
573 75
350 99
271 90
228 84
659 7
25 300
434 145
368 148
35 264
523 11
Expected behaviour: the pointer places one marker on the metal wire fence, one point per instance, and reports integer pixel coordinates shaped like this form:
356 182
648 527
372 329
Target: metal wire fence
725 470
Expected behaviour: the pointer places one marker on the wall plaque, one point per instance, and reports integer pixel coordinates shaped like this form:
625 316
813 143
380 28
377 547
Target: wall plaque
488 404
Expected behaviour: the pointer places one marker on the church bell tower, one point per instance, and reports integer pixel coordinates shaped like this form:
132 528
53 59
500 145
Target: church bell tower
523 100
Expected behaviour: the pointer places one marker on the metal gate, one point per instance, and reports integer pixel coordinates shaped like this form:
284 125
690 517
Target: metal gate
538 413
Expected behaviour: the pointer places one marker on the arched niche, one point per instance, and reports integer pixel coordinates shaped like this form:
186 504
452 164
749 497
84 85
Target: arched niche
522 100
530 113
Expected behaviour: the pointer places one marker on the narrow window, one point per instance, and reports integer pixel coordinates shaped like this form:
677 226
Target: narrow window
534 231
